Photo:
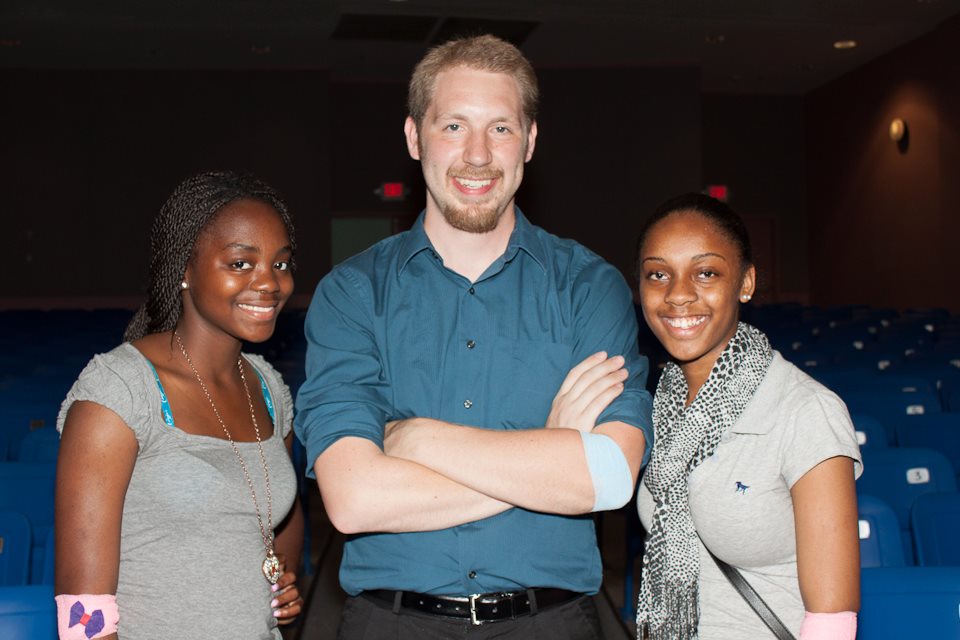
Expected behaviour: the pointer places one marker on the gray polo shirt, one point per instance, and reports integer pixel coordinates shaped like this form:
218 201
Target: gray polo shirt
740 498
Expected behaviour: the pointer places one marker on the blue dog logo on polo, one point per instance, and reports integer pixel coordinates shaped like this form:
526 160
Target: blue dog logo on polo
742 488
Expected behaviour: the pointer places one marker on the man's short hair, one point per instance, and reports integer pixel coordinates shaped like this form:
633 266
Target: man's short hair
484 53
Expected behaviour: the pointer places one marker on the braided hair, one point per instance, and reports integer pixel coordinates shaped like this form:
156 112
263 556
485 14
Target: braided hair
183 217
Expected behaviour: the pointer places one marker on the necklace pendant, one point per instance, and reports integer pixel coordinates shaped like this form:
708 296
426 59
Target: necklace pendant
271 568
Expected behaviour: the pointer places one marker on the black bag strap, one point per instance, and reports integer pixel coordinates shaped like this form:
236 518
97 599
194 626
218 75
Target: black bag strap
753 599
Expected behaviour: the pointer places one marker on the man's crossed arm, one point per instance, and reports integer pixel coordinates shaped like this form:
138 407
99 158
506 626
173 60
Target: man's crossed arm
434 474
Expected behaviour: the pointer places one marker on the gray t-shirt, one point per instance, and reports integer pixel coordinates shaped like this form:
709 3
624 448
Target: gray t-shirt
740 498
190 547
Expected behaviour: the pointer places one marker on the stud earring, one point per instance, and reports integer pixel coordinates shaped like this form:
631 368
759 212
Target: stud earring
744 297
184 285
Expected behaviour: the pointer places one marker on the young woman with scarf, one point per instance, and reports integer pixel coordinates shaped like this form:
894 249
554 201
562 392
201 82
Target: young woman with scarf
752 459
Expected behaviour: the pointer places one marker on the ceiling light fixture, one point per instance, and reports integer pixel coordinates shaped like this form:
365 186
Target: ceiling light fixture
845 44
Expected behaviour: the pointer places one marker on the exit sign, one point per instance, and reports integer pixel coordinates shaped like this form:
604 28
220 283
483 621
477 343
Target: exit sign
718 191
391 191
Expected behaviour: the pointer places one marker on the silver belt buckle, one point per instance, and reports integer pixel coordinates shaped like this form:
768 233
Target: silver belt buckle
473 609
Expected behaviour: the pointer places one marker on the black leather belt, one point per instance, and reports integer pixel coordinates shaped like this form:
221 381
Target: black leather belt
477 608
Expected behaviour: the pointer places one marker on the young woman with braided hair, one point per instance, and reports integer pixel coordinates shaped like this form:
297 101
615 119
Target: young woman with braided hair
174 480
752 460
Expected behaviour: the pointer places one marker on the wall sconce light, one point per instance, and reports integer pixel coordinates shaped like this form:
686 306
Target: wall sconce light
898 129
899 134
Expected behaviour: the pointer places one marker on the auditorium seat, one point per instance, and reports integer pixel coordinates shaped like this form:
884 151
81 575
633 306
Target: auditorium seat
28 613
28 487
39 445
14 548
47 568
19 416
41 389
889 407
810 361
951 400
876 358
935 522
909 603
870 432
866 379
899 475
937 369
880 541
940 431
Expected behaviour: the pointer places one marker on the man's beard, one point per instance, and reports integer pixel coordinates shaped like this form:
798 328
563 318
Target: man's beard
481 217
478 218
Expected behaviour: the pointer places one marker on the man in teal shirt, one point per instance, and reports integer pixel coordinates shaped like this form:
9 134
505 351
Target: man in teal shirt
445 433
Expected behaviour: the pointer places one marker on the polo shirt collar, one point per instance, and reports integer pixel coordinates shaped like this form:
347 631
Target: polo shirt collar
523 237
759 416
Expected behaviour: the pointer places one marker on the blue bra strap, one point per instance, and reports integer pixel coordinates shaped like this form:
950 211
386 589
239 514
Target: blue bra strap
266 396
164 403
168 413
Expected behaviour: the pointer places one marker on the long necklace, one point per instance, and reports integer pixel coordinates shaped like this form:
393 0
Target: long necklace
271 565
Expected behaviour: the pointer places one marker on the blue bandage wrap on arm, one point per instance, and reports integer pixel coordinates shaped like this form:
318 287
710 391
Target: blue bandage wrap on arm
609 471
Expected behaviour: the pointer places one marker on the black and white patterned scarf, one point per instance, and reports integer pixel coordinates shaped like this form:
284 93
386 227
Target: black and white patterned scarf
668 606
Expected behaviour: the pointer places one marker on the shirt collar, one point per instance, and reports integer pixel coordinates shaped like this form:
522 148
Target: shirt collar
759 416
523 237
414 242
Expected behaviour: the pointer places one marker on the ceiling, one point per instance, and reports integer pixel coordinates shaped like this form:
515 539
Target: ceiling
741 46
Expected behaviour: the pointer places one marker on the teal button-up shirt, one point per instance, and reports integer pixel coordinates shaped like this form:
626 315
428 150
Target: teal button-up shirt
392 334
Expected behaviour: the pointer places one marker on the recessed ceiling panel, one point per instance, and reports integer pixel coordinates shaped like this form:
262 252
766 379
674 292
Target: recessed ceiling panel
396 28
515 31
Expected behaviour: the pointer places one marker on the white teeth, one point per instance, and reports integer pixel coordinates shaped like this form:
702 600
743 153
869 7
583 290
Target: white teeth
254 308
473 184
685 322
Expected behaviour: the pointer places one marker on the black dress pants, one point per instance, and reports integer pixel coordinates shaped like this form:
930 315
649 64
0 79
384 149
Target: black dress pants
368 619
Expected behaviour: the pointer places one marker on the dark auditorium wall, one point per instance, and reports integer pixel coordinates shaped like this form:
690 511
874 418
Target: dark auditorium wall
755 144
88 156
886 222
612 144
367 136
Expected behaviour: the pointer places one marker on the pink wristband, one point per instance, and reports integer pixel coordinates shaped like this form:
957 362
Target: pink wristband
829 626
86 616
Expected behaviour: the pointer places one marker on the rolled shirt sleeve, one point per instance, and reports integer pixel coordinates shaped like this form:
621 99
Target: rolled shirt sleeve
345 389
606 321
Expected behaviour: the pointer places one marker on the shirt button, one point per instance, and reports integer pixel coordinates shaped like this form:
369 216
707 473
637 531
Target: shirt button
467 404
471 344
471 291
472 575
